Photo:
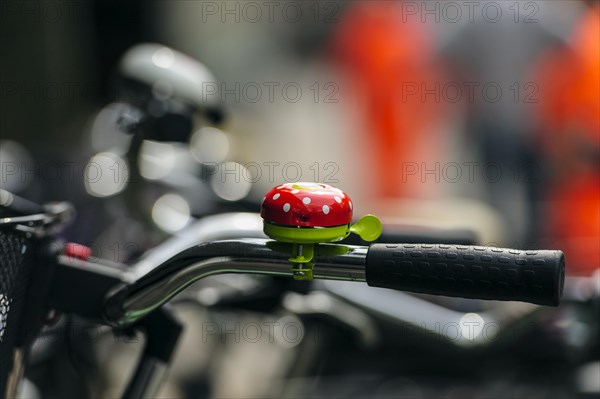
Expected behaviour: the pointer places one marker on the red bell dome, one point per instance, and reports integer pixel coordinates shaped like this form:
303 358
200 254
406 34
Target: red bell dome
307 205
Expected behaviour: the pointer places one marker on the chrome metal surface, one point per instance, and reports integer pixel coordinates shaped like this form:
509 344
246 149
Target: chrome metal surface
254 256
56 215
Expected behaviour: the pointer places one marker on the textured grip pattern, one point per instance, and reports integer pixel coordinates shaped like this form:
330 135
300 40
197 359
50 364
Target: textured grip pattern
468 271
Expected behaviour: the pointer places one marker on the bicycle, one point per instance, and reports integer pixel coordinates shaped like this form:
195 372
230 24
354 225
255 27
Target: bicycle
42 275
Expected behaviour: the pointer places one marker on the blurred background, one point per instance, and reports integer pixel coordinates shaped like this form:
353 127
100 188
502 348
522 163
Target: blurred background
466 116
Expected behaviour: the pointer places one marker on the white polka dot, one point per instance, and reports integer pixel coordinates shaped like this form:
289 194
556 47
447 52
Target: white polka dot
286 207
294 191
337 199
306 200
276 196
325 209
350 203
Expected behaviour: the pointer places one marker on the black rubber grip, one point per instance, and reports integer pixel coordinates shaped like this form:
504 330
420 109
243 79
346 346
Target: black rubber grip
468 271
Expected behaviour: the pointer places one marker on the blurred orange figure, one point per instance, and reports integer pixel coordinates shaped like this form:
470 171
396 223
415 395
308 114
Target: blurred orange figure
570 118
387 56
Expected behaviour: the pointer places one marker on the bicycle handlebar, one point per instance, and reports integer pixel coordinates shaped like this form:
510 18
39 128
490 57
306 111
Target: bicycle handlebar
248 256
460 271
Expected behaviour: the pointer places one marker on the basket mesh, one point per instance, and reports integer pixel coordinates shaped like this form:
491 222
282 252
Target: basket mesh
15 267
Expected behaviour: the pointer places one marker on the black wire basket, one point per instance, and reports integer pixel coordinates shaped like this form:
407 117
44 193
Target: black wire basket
17 251
27 256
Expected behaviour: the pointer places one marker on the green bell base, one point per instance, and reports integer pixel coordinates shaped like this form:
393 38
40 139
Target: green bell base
305 239
306 235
